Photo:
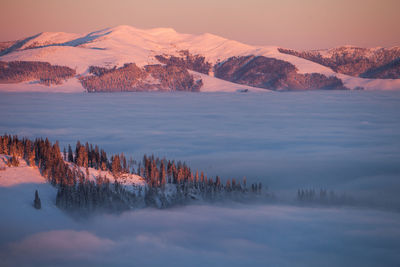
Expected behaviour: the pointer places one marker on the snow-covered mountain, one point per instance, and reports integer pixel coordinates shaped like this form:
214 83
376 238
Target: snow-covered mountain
252 68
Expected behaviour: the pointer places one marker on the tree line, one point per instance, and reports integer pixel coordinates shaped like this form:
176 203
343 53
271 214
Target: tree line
323 196
186 60
47 74
167 182
131 78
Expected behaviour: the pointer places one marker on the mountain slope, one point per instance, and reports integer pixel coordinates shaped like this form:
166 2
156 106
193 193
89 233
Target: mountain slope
125 44
356 61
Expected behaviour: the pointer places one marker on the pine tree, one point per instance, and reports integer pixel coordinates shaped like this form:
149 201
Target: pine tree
37 203
70 155
13 161
116 165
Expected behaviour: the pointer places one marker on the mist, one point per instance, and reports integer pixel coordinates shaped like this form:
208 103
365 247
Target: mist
348 142
203 235
343 141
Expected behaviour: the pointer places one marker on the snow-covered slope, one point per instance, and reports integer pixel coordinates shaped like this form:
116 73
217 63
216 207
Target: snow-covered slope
69 86
17 191
130 181
123 44
23 174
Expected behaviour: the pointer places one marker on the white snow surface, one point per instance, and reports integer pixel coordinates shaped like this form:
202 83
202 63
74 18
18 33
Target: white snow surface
211 84
17 191
124 44
68 86
23 174
126 179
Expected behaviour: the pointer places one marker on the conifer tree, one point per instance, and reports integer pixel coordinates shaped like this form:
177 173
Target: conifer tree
70 155
37 203
116 165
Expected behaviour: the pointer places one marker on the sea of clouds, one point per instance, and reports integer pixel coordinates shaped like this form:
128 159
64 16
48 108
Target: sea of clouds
238 235
345 141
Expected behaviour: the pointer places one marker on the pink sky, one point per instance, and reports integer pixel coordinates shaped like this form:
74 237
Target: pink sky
301 24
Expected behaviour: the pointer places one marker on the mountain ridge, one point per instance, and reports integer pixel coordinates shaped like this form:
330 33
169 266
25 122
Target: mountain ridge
124 44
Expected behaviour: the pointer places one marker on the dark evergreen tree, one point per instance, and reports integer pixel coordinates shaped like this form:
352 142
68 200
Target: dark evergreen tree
70 154
37 203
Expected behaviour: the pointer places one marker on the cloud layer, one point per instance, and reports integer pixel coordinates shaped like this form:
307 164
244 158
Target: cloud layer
218 236
345 141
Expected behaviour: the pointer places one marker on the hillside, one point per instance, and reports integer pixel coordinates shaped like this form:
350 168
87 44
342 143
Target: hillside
193 57
356 61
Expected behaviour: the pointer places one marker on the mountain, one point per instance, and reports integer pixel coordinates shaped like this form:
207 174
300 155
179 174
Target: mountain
125 58
355 61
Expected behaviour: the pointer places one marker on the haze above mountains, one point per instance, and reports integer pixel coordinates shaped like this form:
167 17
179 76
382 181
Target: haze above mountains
125 58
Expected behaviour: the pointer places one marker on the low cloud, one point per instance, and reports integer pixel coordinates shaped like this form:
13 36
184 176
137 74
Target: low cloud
218 236
57 246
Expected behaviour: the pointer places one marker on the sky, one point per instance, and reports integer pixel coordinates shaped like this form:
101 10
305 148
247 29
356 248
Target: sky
306 24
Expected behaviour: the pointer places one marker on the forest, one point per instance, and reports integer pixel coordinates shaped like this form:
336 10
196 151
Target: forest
131 78
44 72
186 60
382 64
275 74
167 183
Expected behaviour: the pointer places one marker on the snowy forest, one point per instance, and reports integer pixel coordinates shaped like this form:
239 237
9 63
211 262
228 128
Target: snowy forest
44 72
164 183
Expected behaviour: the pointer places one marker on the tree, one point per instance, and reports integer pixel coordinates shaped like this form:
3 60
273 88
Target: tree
37 203
116 165
70 155
13 161
163 180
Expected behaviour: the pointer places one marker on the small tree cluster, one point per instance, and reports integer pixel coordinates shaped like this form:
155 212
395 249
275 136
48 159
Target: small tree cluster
132 78
186 60
19 71
322 196
90 196
13 161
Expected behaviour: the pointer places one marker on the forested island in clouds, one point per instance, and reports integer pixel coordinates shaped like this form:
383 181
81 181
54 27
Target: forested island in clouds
90 181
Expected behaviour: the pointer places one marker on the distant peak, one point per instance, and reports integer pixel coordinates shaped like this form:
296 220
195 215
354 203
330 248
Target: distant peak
121 28
162 30
151 30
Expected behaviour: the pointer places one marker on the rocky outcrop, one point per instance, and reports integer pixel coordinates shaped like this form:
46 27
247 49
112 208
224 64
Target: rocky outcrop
270 73
186 60
21 71
131 78
356 61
